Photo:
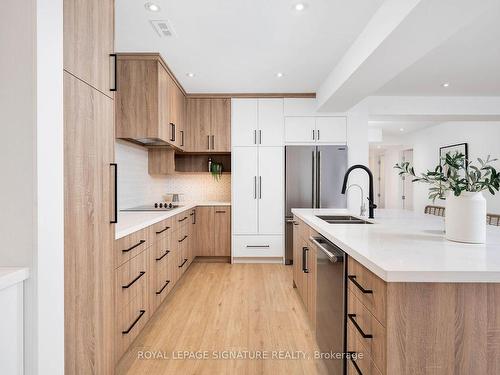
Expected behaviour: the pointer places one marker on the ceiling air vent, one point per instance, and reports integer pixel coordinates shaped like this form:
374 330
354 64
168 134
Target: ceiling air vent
162 28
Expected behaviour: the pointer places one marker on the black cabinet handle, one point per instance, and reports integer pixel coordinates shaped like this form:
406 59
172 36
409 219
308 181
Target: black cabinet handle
163 230
182 137
133 281
362 333
183 263
358 370
115 71
220 212
163 287
183 238
172 130
163 256
358 285
304 260
185 217
115 181
213 142
142 312
134 246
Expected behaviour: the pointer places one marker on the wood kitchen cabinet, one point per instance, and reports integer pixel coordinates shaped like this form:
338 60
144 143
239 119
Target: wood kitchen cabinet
89 41
88 228
213 231
209 124
150 105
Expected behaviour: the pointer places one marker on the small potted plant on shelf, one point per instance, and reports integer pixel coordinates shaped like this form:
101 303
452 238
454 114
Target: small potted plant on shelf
215 169
460 183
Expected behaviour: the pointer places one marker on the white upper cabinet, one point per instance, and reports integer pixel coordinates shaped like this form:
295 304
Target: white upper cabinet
244 122
300 106
271 122
331 130
312 130
257 122
300 129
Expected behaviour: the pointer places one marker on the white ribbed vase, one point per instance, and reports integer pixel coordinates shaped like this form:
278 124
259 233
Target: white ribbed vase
466 217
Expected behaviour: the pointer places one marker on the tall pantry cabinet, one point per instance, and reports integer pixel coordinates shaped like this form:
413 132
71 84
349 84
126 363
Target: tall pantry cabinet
257 178
89 185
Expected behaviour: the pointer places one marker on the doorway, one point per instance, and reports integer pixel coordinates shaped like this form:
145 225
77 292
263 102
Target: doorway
406 183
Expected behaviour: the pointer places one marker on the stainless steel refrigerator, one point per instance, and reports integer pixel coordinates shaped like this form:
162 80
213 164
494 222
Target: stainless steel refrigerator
314 176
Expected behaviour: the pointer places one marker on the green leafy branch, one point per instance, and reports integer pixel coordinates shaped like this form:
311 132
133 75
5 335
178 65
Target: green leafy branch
455 173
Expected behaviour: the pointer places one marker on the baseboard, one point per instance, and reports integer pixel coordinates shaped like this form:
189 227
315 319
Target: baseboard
200 259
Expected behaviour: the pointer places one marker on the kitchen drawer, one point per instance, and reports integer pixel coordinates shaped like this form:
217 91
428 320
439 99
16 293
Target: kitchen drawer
369 288
374 346
257 246
129 246
183 256
130 322
363 360
162 229
161 275
131 279
182 219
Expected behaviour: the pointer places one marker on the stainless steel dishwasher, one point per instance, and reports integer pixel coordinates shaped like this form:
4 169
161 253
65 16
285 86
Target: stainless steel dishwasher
331 304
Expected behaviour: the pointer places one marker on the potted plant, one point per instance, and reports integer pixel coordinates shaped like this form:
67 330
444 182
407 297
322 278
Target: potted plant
215 169
461 183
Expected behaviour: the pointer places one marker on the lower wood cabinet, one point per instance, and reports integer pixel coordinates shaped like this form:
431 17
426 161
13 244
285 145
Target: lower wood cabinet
213 231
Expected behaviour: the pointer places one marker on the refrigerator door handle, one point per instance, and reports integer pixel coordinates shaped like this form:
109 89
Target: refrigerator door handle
318 180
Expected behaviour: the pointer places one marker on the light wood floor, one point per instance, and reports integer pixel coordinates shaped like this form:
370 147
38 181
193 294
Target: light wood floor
223 307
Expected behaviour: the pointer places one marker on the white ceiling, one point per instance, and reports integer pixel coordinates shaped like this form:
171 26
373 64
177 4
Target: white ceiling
469 61
239 45
393 127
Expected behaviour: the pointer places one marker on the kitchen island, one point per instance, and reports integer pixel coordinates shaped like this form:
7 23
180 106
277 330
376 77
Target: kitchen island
416 303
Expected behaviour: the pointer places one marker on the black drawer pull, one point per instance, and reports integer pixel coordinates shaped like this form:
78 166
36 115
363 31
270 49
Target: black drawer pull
220 212
185 217
142 312
351 318
354 281
133 281
183 263
163 256
183 238
305 269
163 287
163 230
351 354
133 247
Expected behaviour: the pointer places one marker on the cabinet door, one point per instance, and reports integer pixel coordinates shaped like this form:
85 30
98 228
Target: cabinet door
331 130
221 124
311 283
205 231
244 190
89 40
222 228
244 122
300 130
271 190
88 234
198 136
181 118
164 110
175 112
271 122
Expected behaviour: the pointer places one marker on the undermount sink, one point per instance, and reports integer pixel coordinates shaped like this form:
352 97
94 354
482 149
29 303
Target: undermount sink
342 219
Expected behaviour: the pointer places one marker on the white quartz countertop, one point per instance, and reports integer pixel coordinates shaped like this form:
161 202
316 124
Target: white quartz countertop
403 246
132 221
12 275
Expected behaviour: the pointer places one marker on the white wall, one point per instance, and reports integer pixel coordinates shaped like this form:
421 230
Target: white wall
31 157
136 187
483 138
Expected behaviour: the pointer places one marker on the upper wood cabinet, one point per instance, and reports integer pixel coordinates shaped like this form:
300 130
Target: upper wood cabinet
89 41
209 125
150 106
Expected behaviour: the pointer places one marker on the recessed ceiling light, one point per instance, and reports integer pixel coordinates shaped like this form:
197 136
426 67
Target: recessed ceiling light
190 75
401 130
152 7
299 7
279 74
446 84
378 146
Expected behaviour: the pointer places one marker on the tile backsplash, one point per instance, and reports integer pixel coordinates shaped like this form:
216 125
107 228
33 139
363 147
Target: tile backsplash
137 187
